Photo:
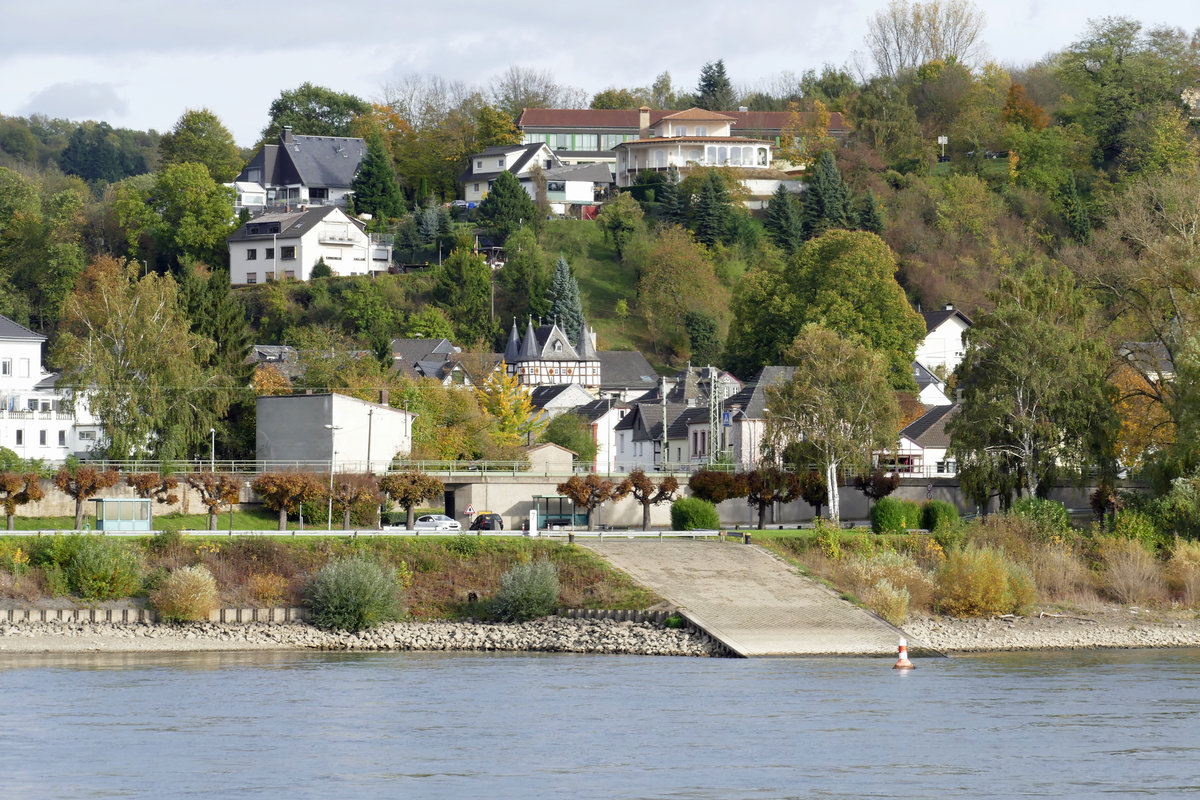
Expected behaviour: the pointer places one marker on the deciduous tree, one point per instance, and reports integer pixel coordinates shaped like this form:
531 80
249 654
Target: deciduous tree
638 485
410 489
351 490
199 137
81 482
511 407
905 35
589 493
838 402
312 110
216 491
621 219
573 432
767 486
285 492
717 486
153 486
18 489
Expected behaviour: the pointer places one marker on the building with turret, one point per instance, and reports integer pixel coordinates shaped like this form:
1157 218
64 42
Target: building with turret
545 356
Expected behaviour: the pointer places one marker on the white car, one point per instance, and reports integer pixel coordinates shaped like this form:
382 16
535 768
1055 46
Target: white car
437 522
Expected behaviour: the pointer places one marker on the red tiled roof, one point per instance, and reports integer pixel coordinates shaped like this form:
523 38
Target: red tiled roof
696 113
685 139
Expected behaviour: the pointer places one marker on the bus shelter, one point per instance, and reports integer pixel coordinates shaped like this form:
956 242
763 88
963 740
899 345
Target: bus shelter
122 514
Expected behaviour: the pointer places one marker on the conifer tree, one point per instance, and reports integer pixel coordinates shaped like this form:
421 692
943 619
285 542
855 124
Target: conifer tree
507 206
1074 211
869 217
712 210
783 220
565 306
375 189
672 210
826 200
714 91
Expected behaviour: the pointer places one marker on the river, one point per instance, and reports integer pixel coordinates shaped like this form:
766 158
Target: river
469 725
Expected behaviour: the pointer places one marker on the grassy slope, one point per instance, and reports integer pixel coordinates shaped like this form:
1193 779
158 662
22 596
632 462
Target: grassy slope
603 280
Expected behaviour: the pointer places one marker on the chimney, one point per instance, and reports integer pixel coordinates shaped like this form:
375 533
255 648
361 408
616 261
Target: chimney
644 122
743 109
286 135
948 307
383 397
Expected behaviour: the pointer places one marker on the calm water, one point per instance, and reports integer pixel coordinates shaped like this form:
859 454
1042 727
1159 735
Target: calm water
298 725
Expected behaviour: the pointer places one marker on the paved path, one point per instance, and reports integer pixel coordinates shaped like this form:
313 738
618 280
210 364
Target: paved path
752 601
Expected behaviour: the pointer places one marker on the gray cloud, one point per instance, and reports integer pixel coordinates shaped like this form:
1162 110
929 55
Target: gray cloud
78 100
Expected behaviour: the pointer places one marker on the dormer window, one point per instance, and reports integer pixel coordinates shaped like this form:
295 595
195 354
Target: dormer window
479 165
558 347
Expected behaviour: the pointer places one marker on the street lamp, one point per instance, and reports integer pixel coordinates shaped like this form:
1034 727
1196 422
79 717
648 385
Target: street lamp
332 456
212 455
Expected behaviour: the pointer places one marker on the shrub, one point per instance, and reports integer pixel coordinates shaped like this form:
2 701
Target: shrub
1060 572
268 588
352 594
981 581
1183 572
692 513
103 569
828 538
1049 517
465 544
55 579
189 594
899 570
938 515
1139 527
1130 572
891 515
674 622
527 591
888 601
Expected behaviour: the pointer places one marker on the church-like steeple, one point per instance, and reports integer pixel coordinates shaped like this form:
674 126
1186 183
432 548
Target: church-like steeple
513 350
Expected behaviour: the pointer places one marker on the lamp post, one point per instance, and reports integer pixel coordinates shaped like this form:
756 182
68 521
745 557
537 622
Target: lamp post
212 454
332 456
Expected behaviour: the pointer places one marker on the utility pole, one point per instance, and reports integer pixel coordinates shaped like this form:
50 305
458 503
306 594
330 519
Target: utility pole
714 414
663 462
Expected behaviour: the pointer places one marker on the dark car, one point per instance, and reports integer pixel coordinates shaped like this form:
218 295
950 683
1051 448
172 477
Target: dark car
487 521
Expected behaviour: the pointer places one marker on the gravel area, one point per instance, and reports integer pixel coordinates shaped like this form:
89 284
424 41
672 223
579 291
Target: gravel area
553 634
1110 628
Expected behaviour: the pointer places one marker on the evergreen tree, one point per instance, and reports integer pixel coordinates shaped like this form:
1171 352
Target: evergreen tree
826 200
714 92
427 225
507 206
783 220
565 306
375 189
1074 211
704 337
712 210
464 289
672 210
869 217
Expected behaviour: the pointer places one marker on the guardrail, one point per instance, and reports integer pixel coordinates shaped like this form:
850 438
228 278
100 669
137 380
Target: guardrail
357 532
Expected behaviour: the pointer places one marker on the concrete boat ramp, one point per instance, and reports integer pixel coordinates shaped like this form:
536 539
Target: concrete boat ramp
750 600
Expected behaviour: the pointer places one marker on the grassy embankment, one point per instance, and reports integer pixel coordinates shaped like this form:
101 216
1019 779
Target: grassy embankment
268 571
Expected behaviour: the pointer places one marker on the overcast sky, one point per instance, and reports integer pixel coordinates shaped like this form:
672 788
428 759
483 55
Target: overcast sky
142 63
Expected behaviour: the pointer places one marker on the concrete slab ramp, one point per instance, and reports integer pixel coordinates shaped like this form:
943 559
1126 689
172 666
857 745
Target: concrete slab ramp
747 598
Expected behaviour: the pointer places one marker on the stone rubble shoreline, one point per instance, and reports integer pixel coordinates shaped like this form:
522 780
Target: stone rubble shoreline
550 635
1122 628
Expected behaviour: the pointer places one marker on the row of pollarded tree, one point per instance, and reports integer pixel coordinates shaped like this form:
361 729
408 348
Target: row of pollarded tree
283 492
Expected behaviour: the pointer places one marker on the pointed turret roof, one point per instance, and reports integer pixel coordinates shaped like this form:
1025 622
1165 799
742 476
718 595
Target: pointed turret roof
529 348
513 350
585 349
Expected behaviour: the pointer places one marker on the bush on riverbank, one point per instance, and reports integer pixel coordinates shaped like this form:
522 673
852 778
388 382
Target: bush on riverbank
188 594
527 591
353 594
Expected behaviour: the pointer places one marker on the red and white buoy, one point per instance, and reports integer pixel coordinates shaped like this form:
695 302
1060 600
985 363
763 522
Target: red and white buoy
902 662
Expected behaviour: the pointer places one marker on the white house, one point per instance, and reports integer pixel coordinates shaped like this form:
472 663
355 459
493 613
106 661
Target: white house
310 430
923 445
931 390
603 415
519 159
685 139
943 343
36 419
288 244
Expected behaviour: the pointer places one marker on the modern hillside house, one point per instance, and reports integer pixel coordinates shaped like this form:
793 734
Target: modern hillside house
300 171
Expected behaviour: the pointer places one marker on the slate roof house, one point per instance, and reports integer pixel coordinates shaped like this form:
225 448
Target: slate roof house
519 159
302 170
923 445
943 343
545 356
287 244
436 359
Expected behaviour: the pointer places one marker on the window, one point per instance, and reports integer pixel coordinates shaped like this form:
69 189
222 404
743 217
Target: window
254 175
479 165
42 438
701 130
62 438
31 405
289 274
558 347
500 163
20 437
251 277
87 436
288 253
6 366
269 276
252 254
269 252
681 131
476 189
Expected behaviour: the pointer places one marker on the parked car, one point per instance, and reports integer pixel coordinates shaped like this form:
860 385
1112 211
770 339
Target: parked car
487 521
437 522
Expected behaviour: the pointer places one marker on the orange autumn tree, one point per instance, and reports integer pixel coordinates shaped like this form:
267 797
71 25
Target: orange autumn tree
1146 426
285 492
216 492
81 482
17 490
149 485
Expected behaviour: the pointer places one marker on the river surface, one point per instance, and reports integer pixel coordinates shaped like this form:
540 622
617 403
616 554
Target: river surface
381 725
